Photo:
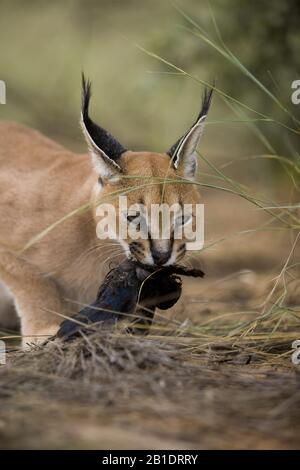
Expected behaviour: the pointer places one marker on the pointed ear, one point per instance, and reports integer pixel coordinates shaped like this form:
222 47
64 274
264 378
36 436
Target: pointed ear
183 153
104 148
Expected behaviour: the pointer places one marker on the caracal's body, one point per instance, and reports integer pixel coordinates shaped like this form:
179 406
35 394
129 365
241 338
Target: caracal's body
42 183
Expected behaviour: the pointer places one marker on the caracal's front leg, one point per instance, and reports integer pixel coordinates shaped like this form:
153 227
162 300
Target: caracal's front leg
38 299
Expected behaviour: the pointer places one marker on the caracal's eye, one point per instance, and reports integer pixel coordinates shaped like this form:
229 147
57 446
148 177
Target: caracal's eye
183 220
137 221
134 218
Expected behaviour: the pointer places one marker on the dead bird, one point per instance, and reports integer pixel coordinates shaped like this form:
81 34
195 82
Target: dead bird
131 291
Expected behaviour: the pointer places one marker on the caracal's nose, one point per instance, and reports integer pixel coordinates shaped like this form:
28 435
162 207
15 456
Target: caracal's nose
160 257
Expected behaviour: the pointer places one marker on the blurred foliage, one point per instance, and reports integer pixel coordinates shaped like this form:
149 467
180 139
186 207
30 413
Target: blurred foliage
44 47
263 35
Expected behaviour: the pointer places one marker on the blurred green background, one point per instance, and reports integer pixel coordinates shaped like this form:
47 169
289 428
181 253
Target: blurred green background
44 46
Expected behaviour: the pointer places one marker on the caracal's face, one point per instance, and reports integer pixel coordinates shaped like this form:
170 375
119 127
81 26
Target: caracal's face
156 208
144 179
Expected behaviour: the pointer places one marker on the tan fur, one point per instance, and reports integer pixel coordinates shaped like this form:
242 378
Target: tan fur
41 182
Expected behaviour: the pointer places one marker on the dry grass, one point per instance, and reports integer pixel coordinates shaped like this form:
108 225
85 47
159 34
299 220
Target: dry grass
116 391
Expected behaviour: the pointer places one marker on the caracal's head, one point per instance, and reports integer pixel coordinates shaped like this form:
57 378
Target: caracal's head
146 201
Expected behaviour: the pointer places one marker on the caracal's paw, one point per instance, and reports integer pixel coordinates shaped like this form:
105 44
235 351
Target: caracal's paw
39 338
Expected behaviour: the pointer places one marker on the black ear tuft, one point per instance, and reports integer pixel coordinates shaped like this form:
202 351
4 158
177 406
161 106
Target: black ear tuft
100 138
85 97
206 101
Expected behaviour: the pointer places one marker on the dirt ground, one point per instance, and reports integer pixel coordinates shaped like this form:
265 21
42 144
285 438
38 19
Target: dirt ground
215 372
